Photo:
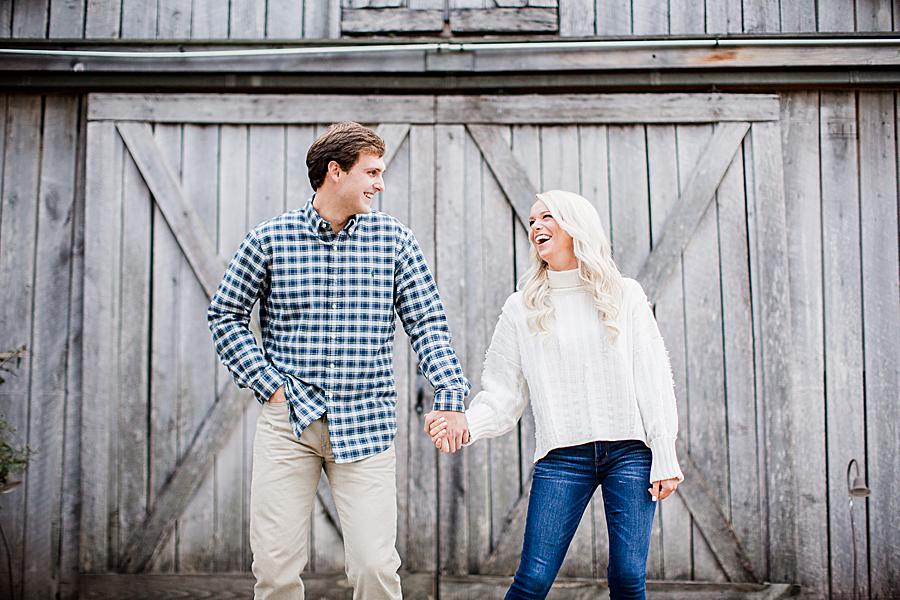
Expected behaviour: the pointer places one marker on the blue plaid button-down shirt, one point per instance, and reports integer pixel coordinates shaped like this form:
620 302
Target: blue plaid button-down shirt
327 305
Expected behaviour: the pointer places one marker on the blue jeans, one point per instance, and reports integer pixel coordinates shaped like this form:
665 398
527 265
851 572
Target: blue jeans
563 483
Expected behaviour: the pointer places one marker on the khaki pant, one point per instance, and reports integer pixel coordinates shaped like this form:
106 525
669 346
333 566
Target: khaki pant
285 477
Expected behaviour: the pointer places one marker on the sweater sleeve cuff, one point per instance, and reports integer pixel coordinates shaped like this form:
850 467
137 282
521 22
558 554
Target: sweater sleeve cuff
267 384
665 461
480 422
449 400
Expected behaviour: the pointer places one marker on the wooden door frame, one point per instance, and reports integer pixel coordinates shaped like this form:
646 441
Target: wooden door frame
129 115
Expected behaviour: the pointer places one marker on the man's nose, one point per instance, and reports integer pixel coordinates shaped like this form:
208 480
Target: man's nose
379 184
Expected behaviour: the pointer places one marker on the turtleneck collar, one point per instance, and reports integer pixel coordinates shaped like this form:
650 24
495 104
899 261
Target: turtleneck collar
564 279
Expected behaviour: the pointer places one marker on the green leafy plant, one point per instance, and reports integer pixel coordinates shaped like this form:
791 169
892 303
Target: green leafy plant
10 361
12 460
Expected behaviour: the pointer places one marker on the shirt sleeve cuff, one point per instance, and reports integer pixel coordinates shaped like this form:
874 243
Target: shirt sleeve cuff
267 384
665 462
449 400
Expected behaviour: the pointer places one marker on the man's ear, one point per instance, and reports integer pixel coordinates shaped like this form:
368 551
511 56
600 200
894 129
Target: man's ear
334 171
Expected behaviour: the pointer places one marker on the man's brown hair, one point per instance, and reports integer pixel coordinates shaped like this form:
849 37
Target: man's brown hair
342 143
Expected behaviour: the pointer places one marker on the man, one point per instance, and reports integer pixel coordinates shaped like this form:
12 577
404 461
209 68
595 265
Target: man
329 277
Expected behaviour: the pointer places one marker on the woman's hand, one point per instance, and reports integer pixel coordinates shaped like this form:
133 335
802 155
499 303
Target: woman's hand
438 428
661 490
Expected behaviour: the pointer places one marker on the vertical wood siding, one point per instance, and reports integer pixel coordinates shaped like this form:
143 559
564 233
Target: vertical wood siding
284 19
159 372
40 270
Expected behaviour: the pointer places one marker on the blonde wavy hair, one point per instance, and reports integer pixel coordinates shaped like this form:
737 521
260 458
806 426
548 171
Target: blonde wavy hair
577 217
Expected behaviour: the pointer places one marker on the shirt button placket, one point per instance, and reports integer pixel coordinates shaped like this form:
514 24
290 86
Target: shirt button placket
333 287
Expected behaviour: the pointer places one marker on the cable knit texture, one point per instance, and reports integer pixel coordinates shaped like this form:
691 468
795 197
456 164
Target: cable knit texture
581 387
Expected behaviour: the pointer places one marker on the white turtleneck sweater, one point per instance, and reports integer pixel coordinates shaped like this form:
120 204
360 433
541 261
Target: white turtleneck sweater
581 387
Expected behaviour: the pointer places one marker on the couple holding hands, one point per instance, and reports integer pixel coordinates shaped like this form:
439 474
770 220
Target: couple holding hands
578 343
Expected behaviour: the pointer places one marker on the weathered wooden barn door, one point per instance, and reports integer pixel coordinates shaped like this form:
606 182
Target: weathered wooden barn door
688 185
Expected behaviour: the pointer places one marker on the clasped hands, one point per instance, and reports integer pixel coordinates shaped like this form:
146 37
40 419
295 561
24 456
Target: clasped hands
448 429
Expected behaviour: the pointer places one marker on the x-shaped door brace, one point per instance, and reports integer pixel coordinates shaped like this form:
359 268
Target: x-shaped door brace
208 267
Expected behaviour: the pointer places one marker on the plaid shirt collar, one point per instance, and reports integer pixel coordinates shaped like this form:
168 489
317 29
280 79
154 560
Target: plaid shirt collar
323 228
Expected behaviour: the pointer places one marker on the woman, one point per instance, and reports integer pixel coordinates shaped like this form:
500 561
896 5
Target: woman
580 341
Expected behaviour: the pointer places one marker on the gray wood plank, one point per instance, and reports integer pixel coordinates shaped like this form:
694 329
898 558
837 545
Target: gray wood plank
693 142
762 16
284 19
526 148
102 19
451 242
724 16
257 109
167 192
511 176
18 242
131 408
614 17
6 19
322 19
737 337
393 135
139 19
29 19
209 20
174 20
576 18
395 201
699 188
629 204
560 169
164 386
844 383
556 109
798 16
774 316
834 17
711 522
878 179
383 20
504 20
482 265
71 464
197 365
687 16
231 538
66 19
800 140
583 109
650 18
178 490
423 465
50 343
101 278
247 19
673 517
594 186
505 556
416 586
502 454
709 64
873 15
265 199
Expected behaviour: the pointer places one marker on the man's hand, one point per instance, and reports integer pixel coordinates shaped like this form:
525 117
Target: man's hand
278 396
660 490
448 429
